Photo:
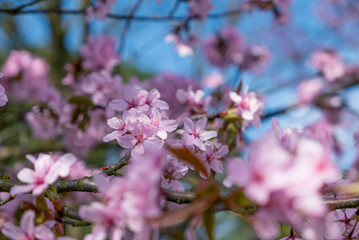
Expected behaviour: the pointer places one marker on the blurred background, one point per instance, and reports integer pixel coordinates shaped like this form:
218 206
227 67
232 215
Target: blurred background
311 25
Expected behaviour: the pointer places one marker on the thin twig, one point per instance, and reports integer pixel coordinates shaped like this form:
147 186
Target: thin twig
124 17
128 24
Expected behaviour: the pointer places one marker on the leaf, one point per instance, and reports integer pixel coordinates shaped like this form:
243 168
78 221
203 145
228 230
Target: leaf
188 157
174 217
208 221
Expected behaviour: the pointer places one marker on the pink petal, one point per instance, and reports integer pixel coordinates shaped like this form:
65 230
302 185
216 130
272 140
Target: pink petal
112 136
43 232
43 164
21 189
208 135
188 125
39 189
27 222
160 104
13 232
217 166
115 123
118 105
126 141
201 124
27 175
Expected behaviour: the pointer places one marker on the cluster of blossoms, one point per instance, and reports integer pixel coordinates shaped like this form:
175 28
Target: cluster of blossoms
228 47
287 183
129 201
27 77
328 63
81 122
47 169
248 106
141 120
28 231
197 139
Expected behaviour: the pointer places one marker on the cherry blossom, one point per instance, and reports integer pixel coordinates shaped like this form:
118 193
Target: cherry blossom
99 53
101 86
309 90
134 97
212 157
26 75
225 48
194 99
329 64
129 200
268 180
28 231
248 106
46 171
173 170
195 133
43 122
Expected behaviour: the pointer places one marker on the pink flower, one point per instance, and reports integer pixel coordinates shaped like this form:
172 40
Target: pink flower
255 58
225 48
43 122
286 180
196 100
329 64
212 157
173 170
3 97
153 100
26 76
248 106
101 86
28 231
195 133
130 200
103 7
162 125
107 218
213 80
118 125
134 97
309 90
99 53
46 171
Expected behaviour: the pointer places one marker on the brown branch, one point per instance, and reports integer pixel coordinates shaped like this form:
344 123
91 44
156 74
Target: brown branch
123 17
113 169
342 203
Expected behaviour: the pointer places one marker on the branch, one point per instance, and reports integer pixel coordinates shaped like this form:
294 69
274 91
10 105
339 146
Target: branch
342 203
179 197
127 24
112 170
123 17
